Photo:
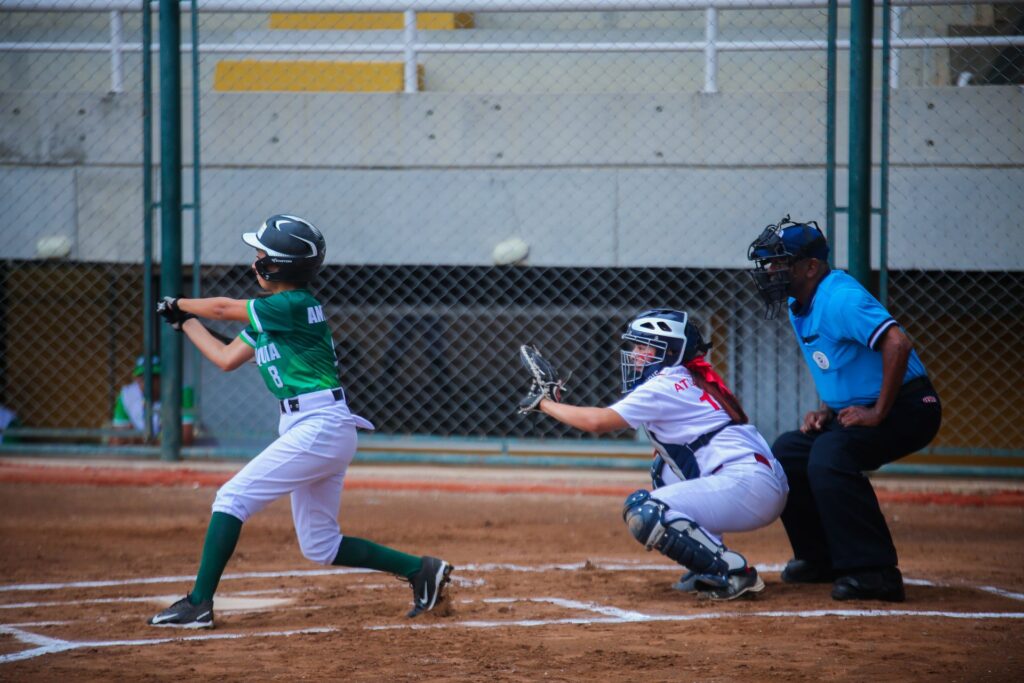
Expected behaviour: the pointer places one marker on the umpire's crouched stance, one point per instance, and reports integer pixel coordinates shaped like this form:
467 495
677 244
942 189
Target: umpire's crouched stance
877 406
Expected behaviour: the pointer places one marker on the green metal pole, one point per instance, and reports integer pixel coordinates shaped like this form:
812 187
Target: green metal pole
861 29
170 222
830 131
147 212
197 215
883 198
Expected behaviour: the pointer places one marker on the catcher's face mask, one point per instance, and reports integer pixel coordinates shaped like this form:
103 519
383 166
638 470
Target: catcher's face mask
640 359
775 251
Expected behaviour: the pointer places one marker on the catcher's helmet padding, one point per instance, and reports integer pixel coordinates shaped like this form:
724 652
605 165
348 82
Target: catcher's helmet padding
670 333
292 244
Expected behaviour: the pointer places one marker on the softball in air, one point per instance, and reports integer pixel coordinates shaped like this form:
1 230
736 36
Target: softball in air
511 252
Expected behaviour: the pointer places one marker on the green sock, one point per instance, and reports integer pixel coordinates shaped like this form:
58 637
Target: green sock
221 537
358 552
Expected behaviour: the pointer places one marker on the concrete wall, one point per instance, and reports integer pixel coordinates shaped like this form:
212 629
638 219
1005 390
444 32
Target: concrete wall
586 179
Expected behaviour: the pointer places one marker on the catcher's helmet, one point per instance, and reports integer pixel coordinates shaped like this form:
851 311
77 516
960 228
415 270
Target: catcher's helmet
670 333
775 251
292 244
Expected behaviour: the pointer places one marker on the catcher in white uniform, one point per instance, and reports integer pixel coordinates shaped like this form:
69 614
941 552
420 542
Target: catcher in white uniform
712 472
290 339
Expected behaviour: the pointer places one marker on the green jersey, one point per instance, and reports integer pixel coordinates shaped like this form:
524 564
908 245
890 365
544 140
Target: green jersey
294 349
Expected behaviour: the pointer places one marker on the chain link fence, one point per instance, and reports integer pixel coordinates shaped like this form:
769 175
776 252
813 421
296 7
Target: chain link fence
635 153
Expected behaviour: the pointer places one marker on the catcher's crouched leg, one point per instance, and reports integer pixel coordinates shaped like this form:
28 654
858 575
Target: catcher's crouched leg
681 540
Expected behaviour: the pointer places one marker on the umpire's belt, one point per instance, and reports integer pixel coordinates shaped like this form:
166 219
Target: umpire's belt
314 399
921 383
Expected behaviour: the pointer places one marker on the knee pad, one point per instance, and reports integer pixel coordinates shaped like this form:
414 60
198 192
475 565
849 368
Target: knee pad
682 540
642 515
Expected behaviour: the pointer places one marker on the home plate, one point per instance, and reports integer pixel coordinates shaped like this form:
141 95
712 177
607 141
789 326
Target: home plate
227 603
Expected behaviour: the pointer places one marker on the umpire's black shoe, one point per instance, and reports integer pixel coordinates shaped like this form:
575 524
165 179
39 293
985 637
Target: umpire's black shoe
183 614
805 571
428 584
885 584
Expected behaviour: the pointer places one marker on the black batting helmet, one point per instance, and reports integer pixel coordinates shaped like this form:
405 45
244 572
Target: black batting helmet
292 244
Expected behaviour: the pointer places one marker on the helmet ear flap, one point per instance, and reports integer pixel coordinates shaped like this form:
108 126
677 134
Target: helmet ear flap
695 344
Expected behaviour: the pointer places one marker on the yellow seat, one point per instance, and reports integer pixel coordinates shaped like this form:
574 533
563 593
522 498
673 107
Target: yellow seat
368 21
253 75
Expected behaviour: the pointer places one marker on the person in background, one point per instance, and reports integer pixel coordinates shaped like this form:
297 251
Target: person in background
130 406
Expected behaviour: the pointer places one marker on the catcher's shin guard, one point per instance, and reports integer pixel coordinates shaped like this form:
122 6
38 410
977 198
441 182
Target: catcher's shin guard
681 540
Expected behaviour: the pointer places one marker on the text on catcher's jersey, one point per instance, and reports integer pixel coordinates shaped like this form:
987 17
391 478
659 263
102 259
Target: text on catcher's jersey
675 412
293 344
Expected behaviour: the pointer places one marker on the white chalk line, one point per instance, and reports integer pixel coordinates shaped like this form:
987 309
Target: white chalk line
609 615
1002 593
614 612
127 599
613 565
48 645
918 582
617 565
180 579
222 611
614 615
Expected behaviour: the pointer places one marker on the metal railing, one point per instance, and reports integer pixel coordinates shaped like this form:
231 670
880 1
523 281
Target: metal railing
425 332
412 43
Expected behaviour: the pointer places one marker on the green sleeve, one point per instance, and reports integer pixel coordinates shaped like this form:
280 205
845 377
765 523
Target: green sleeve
272 314
249 335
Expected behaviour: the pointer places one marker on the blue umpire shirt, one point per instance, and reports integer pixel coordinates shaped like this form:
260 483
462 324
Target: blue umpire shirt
839 334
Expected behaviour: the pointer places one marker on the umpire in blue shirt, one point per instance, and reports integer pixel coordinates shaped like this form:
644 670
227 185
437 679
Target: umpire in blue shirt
877 405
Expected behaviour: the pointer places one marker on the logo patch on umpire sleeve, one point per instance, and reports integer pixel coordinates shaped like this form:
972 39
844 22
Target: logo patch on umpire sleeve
821 359
929 399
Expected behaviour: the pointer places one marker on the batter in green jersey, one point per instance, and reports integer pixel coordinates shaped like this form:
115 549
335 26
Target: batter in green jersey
294 349
290 340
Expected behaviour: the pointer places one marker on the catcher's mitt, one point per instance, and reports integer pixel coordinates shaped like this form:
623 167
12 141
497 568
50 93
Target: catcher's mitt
545 381
167 308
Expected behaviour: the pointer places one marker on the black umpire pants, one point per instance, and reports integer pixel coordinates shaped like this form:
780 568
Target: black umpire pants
832 515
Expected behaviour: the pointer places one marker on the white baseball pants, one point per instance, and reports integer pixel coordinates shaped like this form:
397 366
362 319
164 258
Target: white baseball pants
308 460
742 496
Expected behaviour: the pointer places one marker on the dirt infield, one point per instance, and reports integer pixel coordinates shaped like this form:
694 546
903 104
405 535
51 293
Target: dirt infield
548 586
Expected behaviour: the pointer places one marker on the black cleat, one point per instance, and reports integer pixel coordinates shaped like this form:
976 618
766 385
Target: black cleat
183 614
428 585
805 571
885 584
